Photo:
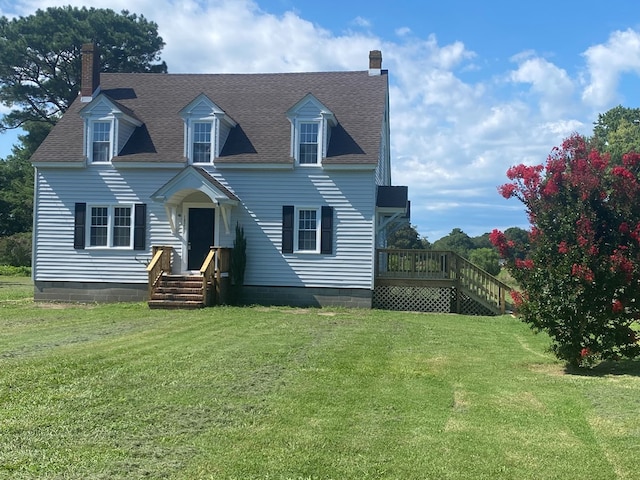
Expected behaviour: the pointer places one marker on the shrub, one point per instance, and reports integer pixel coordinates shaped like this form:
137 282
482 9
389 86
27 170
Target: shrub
580 280
15 250
10 271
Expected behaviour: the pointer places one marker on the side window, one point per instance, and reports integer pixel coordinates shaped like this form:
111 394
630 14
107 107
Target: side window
110 226
307 230
99 227
121 227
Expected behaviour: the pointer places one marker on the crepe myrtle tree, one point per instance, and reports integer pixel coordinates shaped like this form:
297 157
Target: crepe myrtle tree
581 279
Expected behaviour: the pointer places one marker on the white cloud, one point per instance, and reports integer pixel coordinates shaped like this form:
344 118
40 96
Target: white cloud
452 138
606 62
361 22
551 85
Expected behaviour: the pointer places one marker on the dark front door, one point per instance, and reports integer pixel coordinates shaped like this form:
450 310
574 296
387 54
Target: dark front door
200 236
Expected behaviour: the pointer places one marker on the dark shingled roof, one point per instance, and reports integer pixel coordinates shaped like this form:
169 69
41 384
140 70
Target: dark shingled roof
257 102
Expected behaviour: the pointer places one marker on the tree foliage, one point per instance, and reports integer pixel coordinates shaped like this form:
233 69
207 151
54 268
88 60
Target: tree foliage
407 238
16 193
457 241
40 70
40 63
487 259
617 132
580 280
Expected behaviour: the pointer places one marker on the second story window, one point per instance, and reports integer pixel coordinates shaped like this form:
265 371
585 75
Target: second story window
206 129
202 142
311 124
308 145
101 142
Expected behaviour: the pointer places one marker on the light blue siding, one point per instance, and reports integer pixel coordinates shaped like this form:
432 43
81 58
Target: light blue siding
262 194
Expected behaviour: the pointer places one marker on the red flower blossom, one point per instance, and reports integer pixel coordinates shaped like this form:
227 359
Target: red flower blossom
526 264
617 306
585 352
620 263
517 298
631 159
499 240
624 228
622 172
582 272
507 190
563 248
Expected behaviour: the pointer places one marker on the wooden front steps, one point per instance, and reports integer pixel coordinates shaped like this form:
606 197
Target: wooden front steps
178 291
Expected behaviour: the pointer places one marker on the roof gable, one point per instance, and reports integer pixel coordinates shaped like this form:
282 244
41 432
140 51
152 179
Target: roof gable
102 106
203 107
310 106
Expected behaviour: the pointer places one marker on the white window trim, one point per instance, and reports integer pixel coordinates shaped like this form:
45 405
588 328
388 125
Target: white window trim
189 134
296 229
112 132
321 135
310 110
110 226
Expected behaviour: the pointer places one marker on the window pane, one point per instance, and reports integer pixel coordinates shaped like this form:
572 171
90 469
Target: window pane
101 141
202 142
122 226
99 226
307 230
308 143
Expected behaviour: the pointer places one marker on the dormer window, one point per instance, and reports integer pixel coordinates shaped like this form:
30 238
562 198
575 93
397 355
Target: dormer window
107 128
311 124
202 142
101 145
206 128
308 146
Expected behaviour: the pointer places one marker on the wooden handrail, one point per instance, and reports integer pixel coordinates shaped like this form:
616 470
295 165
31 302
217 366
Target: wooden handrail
214 266
159 265
482 284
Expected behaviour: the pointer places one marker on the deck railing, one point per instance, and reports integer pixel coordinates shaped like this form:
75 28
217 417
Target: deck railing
440 269
159 265
214 268
413 264
480 284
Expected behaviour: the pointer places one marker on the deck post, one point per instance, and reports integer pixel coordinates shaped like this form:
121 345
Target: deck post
458 285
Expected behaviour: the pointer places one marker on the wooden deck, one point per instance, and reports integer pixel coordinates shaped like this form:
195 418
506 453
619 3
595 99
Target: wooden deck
439 281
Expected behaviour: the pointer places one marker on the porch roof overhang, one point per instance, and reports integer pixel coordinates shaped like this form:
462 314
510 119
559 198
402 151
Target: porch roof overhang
393 208
194 179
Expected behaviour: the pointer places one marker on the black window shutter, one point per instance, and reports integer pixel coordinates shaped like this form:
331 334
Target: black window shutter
140 226
79 228
287 228
326 231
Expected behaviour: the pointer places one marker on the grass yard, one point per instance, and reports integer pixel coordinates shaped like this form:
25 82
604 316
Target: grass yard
123 392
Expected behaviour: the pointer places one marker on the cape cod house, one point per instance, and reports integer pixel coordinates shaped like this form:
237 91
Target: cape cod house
145 161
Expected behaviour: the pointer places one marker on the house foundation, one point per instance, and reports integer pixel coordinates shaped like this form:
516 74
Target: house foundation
89 292
307 296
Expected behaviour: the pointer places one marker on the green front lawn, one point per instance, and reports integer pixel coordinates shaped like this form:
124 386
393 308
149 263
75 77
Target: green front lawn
123 392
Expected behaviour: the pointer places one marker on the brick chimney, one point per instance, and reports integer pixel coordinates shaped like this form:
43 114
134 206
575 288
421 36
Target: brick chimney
375 62
90 80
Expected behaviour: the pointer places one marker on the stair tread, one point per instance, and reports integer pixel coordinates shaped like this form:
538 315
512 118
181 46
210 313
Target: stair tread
178 291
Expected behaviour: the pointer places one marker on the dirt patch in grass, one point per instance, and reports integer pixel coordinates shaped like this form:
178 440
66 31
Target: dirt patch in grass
554 369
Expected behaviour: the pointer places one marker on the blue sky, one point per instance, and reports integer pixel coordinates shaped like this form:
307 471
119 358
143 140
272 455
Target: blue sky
475 86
